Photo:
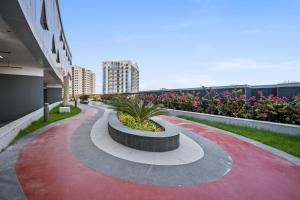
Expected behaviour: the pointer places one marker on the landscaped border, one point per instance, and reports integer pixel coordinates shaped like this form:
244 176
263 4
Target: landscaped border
288 129
144 140
286 146
31 122
11 130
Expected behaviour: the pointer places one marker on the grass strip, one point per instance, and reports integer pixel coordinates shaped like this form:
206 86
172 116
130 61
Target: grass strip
54 116
286 143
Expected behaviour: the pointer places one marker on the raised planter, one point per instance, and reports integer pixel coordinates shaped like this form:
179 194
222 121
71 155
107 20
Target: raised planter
144 140
288 129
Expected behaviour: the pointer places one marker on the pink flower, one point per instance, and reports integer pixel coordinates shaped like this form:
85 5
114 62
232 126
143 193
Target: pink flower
297 110
218 100
226 93
283 110
253 98
285 98
226 108
195 104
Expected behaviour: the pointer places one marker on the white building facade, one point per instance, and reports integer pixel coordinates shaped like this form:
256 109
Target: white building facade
83 81
120 77
33 46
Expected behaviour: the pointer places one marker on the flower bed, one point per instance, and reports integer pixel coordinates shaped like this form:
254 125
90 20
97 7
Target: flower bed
144 140
147 125
232 104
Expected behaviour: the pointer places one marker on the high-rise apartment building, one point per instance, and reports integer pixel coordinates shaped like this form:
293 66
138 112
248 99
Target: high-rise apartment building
89 82
120 77
83 81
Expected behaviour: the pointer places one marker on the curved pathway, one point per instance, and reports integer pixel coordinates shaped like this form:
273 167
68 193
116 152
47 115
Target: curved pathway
47 168
118 160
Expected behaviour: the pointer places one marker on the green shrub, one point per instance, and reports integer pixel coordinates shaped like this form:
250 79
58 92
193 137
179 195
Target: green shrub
146 125
140 110
84 97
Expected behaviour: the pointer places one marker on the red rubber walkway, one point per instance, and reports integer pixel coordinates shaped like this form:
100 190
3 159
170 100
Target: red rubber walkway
47 169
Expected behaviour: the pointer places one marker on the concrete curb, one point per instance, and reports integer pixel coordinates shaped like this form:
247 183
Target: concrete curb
12 189
293 159
288 129
144 140
214 165
188 152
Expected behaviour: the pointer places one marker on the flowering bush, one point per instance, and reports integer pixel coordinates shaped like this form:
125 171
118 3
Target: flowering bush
172 100
234 104
229 103
277 109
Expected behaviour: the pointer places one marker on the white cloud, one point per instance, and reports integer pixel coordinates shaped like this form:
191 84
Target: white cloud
295 63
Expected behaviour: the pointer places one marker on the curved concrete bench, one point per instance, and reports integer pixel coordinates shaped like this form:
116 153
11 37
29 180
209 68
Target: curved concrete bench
144 140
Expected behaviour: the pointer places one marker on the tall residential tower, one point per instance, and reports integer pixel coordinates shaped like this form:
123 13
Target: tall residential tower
83 81
120 77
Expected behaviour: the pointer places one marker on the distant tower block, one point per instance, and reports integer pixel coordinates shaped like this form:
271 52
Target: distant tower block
120 77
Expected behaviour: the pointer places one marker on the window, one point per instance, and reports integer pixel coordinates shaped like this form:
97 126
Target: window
57 57
43 19
53 45
61 36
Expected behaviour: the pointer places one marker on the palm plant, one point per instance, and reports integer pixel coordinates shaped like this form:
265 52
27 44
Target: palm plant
138 109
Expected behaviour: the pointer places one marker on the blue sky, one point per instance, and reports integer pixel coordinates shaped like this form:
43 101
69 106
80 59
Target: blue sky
188 43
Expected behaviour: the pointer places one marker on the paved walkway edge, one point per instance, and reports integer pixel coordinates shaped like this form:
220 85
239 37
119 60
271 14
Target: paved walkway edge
10 187
293 159
11 130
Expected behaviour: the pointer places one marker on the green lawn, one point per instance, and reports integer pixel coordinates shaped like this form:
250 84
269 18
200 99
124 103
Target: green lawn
287 143
54 116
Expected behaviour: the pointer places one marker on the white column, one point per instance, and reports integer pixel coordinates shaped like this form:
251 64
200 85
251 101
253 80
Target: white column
66 90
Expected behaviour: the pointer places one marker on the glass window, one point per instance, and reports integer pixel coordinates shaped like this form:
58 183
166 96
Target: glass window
43 19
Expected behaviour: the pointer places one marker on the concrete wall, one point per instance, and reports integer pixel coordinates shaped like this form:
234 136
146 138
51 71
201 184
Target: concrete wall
262 125
288 92
281 90
10 131
20 95
266 91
